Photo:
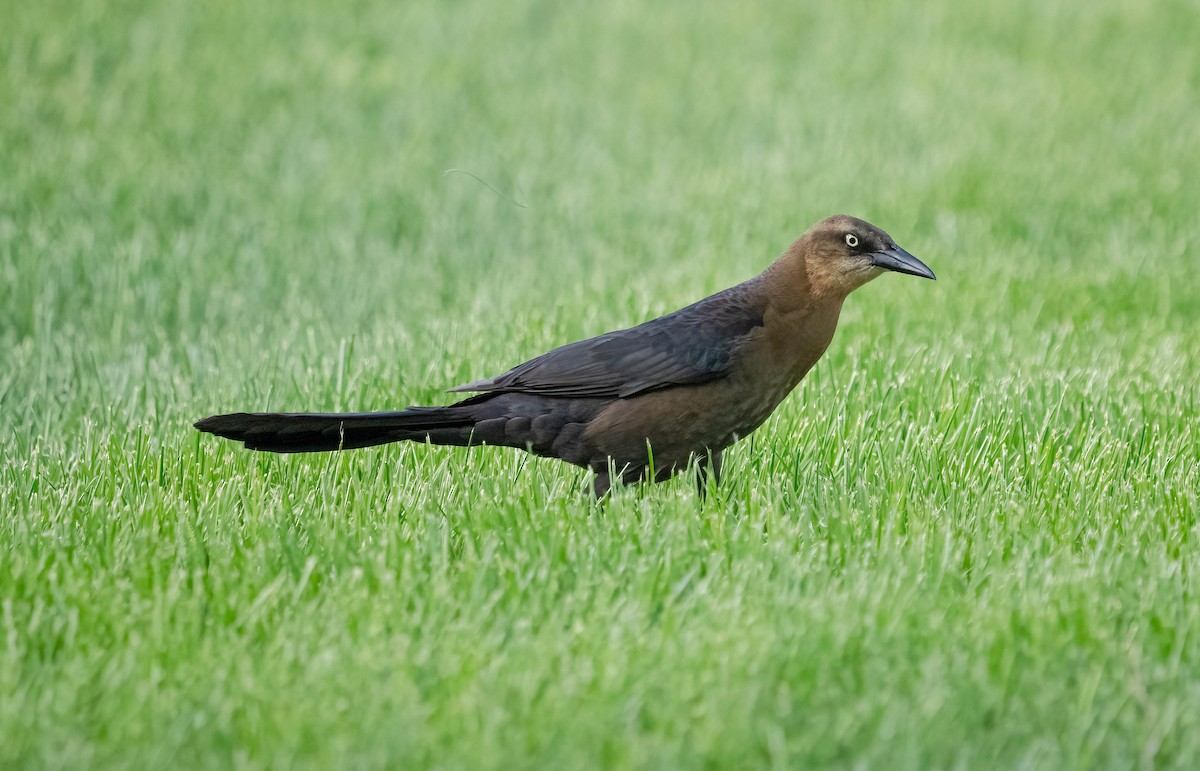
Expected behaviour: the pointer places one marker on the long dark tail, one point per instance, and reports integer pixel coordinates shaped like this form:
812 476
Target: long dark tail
317 432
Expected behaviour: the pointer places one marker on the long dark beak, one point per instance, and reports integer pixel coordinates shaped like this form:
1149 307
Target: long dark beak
895 258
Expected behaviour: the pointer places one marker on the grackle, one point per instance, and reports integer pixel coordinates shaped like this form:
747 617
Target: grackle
639 402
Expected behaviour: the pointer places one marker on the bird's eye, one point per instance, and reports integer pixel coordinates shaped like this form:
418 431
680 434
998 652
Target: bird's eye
851 240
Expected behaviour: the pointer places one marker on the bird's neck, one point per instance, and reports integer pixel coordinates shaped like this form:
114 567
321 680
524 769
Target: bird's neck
793 284
803 306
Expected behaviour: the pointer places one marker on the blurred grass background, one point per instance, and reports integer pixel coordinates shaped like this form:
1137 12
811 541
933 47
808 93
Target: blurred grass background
968 541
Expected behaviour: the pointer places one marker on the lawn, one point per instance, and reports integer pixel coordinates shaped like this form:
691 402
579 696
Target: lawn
969 539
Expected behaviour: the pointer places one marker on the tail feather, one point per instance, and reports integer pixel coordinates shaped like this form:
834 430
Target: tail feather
317 432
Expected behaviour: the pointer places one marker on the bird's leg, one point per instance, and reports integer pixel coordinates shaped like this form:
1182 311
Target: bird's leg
709 463
601 483
715 465
603 479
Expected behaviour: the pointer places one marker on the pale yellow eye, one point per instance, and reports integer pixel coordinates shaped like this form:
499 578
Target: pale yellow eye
851 240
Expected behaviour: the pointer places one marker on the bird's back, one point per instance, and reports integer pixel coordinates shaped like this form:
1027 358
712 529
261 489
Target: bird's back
693 345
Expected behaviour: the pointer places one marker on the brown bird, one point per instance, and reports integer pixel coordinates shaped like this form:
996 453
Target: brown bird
640 402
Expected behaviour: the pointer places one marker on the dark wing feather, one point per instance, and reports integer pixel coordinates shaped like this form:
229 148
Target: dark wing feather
693 345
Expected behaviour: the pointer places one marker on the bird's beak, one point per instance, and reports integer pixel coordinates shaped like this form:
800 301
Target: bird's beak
895 258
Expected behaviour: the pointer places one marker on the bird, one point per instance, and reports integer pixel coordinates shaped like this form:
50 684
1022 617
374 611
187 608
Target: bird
636 404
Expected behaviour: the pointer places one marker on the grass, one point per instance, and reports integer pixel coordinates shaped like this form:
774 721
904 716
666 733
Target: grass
969 540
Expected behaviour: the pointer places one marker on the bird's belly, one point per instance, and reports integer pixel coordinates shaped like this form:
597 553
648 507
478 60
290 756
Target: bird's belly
678 423
754 412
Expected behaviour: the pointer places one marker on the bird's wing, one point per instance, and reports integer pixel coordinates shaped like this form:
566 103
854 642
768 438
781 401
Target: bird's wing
694 345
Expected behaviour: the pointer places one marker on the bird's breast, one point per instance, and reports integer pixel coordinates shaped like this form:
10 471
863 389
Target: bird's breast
682 421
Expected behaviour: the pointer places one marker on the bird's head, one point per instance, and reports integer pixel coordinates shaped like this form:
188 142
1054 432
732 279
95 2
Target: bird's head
842 253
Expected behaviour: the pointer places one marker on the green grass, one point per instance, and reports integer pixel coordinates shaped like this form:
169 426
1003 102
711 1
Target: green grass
969 540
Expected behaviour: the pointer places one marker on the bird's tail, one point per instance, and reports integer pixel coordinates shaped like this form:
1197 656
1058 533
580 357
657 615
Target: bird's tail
318 432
